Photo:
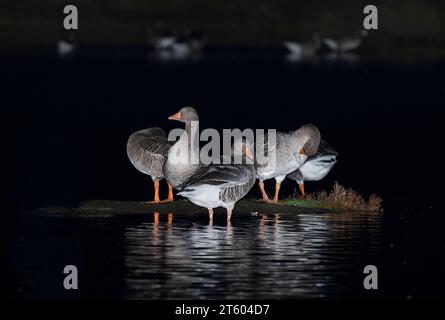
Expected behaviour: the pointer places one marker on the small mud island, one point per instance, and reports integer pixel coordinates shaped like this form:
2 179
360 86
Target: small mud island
103 208
339 199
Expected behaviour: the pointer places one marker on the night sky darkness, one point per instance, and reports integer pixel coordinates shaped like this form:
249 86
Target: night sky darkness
71 119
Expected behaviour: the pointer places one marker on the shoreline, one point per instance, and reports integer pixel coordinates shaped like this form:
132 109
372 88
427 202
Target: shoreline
112 208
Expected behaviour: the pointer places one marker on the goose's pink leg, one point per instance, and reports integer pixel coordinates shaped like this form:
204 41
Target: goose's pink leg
210 216
263 192
229 215
277 191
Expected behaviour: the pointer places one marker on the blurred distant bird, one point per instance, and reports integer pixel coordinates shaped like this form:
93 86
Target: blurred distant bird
195 40
304 48
147 150
345 44
159 37
191 43
67 47
316 167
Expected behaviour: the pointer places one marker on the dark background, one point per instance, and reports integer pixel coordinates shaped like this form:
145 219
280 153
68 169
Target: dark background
72 121
65 122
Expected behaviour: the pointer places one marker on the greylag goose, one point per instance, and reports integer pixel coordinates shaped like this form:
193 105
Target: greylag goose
190 44
303 49
183 157
160 38
222 185
285 155
346 43
316 167
147 150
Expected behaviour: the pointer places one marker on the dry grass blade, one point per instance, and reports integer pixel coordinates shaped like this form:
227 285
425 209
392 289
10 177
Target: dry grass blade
342 198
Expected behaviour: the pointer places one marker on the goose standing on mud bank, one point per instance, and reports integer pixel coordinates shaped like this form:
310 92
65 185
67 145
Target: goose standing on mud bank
183 157
222 185
316 167
147 150
290 151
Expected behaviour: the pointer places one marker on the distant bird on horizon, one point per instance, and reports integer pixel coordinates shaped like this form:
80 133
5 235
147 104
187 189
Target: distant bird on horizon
345 44
302 49
159 37
170 46
67 47
191 43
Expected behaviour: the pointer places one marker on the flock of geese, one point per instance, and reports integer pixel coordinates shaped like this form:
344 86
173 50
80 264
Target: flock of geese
170 45
300 155
338 46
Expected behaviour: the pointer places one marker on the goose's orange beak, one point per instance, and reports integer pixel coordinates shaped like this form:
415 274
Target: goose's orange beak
302 151
176 116
249 153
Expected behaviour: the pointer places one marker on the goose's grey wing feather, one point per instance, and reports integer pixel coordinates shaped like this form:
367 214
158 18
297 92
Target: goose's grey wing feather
148 149
152 141
264 146
156 146
217 174
234 181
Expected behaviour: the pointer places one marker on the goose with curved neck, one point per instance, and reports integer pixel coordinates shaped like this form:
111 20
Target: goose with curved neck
183 157
291 151
316 167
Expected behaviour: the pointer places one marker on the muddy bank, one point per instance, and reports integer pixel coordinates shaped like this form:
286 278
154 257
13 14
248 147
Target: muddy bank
103 208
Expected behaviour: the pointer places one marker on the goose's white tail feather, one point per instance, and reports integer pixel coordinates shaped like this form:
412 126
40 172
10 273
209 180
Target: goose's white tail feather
206 196
316 169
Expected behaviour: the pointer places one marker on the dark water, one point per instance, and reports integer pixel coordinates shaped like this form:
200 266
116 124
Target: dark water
68 122
266 256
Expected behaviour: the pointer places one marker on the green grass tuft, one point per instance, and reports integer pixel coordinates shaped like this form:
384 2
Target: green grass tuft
303 203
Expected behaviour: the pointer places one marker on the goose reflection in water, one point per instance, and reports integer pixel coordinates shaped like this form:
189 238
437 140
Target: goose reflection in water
264 256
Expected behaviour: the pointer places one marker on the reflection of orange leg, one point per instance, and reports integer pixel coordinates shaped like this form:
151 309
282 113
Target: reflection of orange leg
156 200
156 218
302 190
263 192
210 215
155 227
277 191
229 215
170 218
170 194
